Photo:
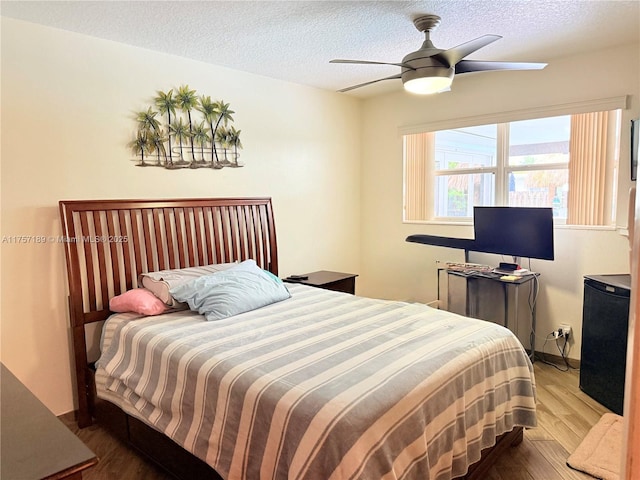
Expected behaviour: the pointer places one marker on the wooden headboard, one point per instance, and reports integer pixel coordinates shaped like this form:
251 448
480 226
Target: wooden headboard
109 243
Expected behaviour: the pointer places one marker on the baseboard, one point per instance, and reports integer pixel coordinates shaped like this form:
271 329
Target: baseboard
557 359
69 417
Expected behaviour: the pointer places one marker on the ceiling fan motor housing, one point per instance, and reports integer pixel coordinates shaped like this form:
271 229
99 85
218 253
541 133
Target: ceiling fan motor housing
423 64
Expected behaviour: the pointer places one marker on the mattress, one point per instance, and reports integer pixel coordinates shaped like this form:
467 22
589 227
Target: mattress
324 385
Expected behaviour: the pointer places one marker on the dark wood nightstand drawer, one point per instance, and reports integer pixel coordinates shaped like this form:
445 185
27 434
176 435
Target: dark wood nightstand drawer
336 281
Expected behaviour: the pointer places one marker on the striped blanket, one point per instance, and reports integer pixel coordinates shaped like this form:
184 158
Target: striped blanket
324 385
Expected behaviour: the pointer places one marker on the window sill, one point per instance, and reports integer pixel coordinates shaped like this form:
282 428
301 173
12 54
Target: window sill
466 222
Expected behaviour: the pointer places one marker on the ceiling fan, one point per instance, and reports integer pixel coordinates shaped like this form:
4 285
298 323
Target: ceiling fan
431 70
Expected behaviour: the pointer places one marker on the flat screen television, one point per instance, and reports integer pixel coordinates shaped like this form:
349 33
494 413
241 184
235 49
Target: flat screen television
517 231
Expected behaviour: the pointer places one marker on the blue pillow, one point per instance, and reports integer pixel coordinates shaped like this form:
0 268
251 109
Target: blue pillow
239 289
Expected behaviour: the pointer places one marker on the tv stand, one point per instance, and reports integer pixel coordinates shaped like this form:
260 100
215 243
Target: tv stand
480 290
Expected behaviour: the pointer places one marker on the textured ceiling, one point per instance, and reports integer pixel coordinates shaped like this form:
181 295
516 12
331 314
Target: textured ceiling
294 41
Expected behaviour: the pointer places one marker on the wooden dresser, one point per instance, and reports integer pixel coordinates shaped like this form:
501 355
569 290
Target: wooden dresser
35 444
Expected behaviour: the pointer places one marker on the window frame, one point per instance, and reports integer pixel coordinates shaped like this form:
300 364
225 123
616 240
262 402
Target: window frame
501 170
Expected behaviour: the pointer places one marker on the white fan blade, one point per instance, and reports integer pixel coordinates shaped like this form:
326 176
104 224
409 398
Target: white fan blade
455 54
367 62
470 66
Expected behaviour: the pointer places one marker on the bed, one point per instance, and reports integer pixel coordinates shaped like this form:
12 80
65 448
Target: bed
319 385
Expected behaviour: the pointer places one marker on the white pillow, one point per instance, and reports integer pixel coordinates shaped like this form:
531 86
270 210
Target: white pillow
240 289
159 283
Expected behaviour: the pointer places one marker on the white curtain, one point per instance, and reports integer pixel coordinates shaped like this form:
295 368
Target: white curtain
587 168
417 154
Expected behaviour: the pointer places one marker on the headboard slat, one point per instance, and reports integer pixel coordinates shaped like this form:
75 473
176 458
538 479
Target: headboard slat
179 217
198 238
241 238
209 238
135 216
88 257
258 235
265 221
98 242
248 215
126 247
188 219
168 228
233 231
147 218
115 248
161 244
223 218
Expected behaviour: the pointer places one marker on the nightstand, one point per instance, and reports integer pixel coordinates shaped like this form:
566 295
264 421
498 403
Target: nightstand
336 281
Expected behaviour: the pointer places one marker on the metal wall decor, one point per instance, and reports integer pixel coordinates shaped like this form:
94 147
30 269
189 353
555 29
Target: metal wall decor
197 133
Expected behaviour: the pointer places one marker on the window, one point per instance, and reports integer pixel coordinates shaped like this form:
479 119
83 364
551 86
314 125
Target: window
465 167
566 162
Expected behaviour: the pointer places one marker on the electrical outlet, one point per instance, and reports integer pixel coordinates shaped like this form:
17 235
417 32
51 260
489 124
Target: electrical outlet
563 331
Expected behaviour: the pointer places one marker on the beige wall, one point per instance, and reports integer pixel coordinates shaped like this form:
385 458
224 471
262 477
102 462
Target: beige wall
392 268
68 104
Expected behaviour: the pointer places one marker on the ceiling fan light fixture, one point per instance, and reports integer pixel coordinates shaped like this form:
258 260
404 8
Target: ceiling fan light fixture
427 80
427 85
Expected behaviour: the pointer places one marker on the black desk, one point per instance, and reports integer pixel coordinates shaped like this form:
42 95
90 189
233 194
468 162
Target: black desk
476 291
35 444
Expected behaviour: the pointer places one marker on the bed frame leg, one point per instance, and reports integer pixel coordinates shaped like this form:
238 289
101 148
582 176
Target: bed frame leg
518 437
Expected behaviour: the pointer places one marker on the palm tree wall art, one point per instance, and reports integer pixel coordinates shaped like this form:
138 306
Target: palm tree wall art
186 141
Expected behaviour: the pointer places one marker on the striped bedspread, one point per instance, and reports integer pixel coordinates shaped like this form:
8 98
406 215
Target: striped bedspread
324 385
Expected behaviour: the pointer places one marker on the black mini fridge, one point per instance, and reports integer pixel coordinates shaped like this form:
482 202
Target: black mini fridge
605 325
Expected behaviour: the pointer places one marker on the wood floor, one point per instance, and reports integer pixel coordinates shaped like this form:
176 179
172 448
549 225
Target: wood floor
565 415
